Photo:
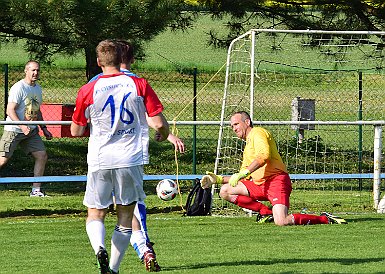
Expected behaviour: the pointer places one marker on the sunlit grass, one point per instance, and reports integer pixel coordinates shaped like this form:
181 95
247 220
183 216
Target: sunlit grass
50 234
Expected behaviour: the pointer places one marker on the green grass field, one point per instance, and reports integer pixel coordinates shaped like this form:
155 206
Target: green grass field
48 236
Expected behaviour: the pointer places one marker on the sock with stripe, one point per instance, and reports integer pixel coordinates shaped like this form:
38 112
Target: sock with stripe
119 243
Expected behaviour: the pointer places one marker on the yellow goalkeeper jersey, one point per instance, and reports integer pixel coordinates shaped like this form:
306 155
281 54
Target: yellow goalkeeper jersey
261 144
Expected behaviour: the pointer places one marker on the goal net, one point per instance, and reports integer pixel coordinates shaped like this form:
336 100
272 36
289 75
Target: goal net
289 80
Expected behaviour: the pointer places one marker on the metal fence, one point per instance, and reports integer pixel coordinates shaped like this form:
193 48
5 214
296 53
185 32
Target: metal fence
198 95
188 95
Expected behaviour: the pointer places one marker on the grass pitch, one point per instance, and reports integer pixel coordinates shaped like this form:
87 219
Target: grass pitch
48 236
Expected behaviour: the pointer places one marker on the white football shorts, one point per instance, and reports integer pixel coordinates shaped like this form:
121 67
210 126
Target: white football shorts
126 184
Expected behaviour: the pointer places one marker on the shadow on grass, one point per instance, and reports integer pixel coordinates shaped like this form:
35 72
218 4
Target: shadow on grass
364 219
32 212
29 212
341 261
155 210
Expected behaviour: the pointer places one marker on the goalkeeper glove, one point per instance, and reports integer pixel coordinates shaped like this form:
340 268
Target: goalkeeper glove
237 176
209 179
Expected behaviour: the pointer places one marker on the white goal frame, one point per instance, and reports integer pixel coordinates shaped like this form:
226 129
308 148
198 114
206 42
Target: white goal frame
378 204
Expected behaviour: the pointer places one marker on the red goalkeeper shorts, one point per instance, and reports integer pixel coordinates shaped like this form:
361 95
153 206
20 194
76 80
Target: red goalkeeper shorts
276 190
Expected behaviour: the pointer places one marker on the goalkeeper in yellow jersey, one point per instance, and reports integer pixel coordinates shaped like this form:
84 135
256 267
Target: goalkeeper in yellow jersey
263 177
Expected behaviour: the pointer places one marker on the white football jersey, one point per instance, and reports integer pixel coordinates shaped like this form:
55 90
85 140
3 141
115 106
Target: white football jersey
116 107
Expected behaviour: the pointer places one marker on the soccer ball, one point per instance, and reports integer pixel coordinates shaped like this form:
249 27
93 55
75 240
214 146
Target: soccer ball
167 189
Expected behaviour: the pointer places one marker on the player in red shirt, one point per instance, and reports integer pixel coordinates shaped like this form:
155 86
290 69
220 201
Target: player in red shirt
140 221
116 106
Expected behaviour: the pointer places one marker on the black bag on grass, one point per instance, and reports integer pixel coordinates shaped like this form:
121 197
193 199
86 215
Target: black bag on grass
198 201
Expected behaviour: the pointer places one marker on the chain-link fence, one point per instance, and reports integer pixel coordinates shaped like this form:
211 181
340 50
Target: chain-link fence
284 75
342 76
177 90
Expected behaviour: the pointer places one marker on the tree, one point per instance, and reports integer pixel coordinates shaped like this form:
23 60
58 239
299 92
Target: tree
295 14
57 26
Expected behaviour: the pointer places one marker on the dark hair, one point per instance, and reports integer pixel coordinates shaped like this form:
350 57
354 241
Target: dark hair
244 115
127 50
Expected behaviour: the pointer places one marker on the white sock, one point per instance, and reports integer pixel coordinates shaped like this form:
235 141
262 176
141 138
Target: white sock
119 243
139 243
96 232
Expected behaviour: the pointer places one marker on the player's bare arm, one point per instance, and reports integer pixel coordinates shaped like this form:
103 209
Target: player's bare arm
46 132
160 125
77 130
177 142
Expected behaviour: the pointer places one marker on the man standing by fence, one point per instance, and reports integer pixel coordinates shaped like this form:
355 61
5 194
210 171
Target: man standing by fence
25 98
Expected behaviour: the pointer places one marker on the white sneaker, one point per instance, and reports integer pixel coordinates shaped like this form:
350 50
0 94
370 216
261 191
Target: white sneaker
37 193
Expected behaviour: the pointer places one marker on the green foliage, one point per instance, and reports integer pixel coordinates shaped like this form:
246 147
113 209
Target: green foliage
159 54
305 14
69 27
192 49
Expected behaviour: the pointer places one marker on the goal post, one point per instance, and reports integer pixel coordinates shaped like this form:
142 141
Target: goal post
341 74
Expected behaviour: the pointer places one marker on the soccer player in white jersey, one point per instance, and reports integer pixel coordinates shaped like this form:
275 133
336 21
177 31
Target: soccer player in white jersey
139 223
116 106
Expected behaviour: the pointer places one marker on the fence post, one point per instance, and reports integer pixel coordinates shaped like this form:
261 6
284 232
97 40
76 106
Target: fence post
5 89
377 165
194 126
360 128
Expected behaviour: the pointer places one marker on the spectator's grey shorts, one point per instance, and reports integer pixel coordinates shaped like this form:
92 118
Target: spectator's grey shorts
29 143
